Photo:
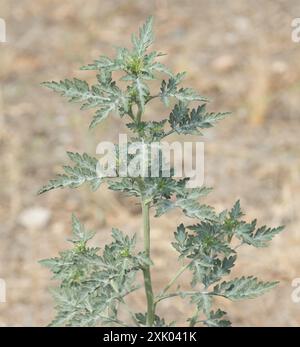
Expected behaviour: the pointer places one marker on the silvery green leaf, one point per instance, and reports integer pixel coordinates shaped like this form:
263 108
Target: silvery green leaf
259 237
185 122
243 288
170 89
84 171
214 319
145 37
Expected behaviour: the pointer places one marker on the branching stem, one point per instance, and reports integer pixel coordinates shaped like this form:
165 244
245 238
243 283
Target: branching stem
174 279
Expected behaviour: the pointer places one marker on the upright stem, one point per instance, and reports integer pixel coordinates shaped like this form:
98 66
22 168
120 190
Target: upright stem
139 114
146 270
146 227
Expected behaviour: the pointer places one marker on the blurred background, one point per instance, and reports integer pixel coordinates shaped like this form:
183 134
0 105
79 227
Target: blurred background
237 52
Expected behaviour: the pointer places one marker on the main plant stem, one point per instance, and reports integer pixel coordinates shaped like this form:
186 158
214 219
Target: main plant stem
146 229
146 270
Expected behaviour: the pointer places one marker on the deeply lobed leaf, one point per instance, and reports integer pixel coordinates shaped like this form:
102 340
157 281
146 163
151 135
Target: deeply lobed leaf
243 288
84 171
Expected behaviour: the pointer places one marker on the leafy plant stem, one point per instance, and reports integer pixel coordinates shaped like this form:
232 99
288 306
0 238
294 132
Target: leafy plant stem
139 113
146 270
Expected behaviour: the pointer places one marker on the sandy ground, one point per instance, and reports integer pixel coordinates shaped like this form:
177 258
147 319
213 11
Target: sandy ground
240 55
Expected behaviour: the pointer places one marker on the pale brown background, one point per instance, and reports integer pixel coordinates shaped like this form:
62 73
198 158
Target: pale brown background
239 53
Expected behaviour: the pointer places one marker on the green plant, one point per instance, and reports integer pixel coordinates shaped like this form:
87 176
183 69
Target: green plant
93 287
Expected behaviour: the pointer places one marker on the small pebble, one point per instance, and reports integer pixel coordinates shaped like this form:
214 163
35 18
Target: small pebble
224 63
34 217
